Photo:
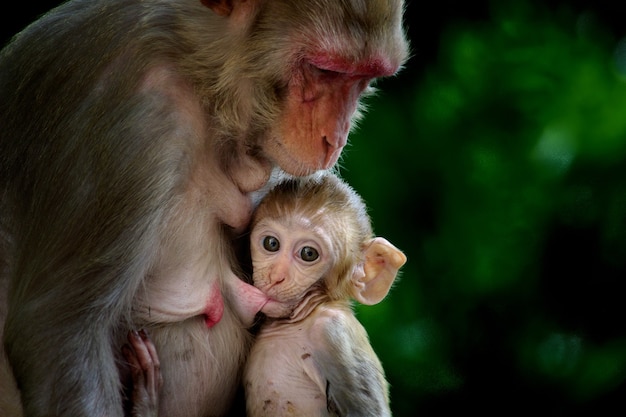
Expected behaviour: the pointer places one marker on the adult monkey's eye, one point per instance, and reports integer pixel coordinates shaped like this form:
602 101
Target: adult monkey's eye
309 254
327 73
271 244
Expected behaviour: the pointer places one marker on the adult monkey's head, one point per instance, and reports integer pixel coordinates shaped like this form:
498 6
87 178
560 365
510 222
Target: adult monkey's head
303 67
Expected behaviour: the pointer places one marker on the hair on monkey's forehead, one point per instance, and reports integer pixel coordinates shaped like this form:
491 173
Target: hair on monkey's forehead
324 200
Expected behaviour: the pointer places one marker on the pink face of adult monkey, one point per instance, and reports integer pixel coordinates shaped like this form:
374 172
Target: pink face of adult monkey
135 136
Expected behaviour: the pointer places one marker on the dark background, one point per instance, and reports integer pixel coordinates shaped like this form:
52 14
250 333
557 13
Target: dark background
497 161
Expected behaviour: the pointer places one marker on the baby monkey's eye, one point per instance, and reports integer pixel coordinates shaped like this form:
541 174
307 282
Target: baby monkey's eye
271 244
309 254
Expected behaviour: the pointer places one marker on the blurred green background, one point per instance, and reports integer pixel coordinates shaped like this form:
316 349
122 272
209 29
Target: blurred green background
498 165
497 161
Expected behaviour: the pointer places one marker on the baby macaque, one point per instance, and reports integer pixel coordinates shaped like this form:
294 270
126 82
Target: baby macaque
313 251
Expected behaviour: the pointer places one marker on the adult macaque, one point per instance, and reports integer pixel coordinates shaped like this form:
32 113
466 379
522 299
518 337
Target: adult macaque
312 252
135 137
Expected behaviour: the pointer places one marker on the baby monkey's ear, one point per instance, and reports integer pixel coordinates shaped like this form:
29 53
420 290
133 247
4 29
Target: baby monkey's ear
372 280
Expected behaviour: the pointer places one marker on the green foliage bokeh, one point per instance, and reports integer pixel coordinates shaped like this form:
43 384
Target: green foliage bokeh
502 177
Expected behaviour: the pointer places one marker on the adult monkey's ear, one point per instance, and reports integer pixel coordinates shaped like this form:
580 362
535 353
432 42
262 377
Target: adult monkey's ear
372 281
220 7
237 10
228 7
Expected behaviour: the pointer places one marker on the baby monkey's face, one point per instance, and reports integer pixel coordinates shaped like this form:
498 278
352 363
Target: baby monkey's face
289 255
